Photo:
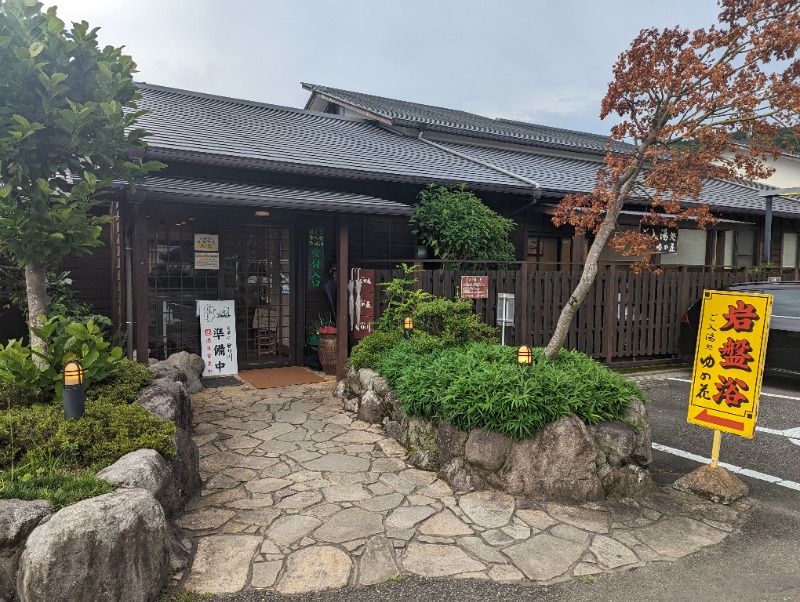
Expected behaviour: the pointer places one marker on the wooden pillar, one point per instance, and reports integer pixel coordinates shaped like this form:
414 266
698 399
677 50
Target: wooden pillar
139 282
343 268
578 245
524 331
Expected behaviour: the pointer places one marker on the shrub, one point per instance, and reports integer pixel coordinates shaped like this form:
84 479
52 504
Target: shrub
24 429
124 386
106 433
454 322
109 431
479 385
400 299
19 395
370 349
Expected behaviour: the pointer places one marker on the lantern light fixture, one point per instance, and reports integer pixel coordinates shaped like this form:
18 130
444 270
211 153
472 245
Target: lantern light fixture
408 327
73 396
524 356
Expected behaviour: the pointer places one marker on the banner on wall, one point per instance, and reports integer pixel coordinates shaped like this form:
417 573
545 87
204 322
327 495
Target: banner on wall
218 336
361 298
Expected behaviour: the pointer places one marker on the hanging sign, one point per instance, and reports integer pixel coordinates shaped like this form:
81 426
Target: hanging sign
474 287
206 261
316 257
729 361
361 297
206 242
218 336
666 238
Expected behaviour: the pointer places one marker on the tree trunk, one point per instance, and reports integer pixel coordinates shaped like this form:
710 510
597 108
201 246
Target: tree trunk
582 289
38 305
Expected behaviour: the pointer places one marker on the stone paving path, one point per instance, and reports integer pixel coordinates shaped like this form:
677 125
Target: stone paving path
298 496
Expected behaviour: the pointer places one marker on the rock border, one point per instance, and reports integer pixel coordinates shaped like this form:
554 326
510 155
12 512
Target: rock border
567 462
121 545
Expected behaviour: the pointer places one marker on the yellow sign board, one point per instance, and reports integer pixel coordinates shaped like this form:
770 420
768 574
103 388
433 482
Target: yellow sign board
729 361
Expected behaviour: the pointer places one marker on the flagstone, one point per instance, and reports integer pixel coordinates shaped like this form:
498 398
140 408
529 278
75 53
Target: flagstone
382 503
265 574
678 536
267 485
314 569
611 554
350 524
538 519
222 563
433 560
288 529
488 508
582 518
407 516
207 518
253 503
544 557
476 547
346 493
273 431
338 462
300 500
445 524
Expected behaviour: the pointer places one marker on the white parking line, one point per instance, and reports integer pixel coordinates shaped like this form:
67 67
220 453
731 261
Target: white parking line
734 469
793 434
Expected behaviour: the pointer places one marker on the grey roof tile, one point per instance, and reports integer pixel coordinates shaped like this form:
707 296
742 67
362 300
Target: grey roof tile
205 127
563 174
245 194
411 114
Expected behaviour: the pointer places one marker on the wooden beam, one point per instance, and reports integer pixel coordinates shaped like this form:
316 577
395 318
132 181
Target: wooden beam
343 274
141 316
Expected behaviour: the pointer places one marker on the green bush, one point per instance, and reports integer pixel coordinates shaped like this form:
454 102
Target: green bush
16 365
400 299
19 395
106 433
454 322
370 349
68 340
27 429
480 385
124 386
109 431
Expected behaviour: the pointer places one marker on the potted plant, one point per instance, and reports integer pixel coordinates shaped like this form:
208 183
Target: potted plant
327 348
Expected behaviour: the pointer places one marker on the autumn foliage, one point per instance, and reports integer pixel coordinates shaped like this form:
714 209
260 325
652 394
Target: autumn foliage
683 99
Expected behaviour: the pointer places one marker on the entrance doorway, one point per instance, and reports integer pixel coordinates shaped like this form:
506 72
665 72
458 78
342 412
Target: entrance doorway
257 275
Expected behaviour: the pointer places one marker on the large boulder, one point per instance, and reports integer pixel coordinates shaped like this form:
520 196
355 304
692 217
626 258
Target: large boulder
371 409
184 474
142 469
450 440
487 451
616 441
189 364
637 417
557 464
167 399
17 519
111 547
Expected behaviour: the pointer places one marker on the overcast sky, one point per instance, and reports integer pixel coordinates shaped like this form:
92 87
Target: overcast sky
545 61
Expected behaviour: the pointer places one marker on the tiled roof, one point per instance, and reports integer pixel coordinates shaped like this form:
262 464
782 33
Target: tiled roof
420 116
271 197
204 128
564 175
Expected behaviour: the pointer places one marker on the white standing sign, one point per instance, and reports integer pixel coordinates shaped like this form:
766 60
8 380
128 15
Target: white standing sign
218 337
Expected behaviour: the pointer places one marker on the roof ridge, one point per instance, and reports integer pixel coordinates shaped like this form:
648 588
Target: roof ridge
246 102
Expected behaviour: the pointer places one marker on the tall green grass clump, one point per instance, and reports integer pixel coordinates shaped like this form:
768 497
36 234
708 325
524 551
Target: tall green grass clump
480 385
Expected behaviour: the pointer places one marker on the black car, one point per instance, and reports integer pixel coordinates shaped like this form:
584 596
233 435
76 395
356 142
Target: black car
783 344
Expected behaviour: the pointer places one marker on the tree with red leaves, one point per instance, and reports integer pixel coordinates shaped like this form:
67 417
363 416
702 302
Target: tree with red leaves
681 96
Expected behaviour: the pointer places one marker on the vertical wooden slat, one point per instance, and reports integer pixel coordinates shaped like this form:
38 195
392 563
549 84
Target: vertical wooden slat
342 331
611 298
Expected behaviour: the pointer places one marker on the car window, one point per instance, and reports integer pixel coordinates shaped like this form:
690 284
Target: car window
785 302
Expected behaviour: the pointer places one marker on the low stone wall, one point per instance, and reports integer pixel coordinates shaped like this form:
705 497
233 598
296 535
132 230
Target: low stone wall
118 546
566 462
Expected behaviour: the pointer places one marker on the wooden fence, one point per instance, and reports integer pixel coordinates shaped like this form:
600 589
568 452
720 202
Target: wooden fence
625 318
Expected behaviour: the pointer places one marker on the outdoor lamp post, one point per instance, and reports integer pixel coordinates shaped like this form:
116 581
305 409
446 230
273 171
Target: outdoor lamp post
408 327
73 390
524 356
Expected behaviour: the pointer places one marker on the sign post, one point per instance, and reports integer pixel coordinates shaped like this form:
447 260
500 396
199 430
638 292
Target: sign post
729 364
218 337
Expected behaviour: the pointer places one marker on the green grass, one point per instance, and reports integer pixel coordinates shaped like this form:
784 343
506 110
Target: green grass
60 487
480 385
